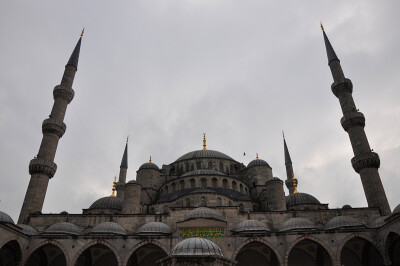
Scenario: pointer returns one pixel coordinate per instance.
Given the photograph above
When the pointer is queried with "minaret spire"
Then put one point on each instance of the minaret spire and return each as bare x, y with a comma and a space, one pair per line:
42, 168
365, 162
123, 170
291, 182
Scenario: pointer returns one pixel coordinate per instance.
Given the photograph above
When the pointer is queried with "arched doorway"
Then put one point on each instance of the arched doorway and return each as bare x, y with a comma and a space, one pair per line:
393, 248
360, 252
256, 254
147, 255
97, 255
10, 253
310, 253
47, 255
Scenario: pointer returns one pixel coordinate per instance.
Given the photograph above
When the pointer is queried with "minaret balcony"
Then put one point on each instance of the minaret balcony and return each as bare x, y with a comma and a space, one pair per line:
341, 87
353, 119
42, 166
63, 92
365, 160
53, 126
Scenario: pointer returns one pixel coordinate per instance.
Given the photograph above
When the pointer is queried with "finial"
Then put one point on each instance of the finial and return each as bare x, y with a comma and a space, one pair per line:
114, 187
150, 159
283, 134
294, 184
204, 142
257, 156
127, 138
322, 26
82, 32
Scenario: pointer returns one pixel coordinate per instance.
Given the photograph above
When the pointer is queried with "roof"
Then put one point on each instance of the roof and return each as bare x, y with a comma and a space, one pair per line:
149, 166
133, 182
196, 247
124, 161
397, 209
342, 222
203, 172
286, 150
379, 221
204, 154
300, 198
73, 60
154, 228
258, 162
107, 203
251, 226
27, 229
329, 50
203, 212
5, 218
297, 223
108, 228
63, 228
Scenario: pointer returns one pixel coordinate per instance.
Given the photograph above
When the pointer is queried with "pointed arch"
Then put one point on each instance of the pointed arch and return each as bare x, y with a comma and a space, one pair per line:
11, 251
261, 241
50, 242
94, 243
142, 244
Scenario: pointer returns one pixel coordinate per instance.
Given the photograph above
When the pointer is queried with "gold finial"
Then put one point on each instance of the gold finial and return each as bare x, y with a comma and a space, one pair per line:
283, 134
82, 32
114, 187
127, 138
150, 159
322, 26
204, 142
257, 156
294, 184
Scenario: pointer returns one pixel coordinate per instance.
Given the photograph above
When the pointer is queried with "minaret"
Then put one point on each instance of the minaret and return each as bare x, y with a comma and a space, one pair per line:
123, 169
290, 182
365, 162
42, 167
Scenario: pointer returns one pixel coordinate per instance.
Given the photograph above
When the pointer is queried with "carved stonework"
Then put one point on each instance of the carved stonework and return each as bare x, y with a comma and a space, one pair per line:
51, 125
366, 160
42, 166
353, 119
339, 88
63, 92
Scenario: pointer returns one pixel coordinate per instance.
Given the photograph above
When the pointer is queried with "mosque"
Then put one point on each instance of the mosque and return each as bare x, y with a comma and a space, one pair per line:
204, 208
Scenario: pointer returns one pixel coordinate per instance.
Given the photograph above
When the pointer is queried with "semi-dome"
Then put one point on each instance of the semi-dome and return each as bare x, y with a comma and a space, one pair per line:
154, 228
204, 154
5, 218
397, 209
203, 172
149, 166
27, 229
203, 212
258, 162
196, 247
63, 228
108, 228
342, 222
297, 223
107, 203
300, 198
379, 222
251, 226
346, 206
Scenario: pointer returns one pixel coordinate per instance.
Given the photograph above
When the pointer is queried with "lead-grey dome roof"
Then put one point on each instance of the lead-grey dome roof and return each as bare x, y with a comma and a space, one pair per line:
149, 166
203, 172
27, 229
297, 223
342, 222
251, 226
133, 182
397, 209
203, 212
300, 198
107, 203
108, 228
258, 162
154, 228
63, 228
379, 221
5, 218
196, 247
204, 154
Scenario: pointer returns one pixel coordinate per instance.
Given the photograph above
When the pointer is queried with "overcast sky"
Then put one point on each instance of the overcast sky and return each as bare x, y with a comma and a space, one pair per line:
164, 72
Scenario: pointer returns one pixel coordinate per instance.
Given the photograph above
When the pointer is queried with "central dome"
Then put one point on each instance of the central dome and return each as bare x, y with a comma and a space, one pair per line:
204, 154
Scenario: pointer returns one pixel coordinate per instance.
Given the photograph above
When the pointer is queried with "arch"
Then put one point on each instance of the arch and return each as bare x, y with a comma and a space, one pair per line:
349, 237
187, 167
219, 201
261, 241
221, 167
182, 185
40, 252
203, 182
90, 244
187, 202
234, 185
173, 187
203, 202
225, 183
392, 248
166, 189
214, 182
318, 252
210, 165
144, 243
241, 188
11, 252
192, 183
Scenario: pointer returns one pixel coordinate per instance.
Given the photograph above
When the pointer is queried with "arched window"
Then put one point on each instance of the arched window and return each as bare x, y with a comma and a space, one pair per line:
192, 183
182, 185
241, 207
215, 182
192, 167
209, 165
234, 186
198, 165
231, 168
225, 184
187, 167
173, 188
187, 202
227, 170
245, 189
221, 167
166, 189
219, 202
241, 188
203, 182
203, 202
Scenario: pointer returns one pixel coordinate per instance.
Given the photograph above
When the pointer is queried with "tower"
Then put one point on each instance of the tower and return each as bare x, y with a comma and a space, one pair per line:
122, 172
42, 168
365, 161
290, 182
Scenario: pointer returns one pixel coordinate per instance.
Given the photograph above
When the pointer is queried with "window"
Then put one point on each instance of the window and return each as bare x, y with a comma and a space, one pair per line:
165, 209
187, 167
192, 183
234, 186
241, 207
209, 165
187, 202
221, 167
215, 182
225, 183
182, 185
241, 188
203, 202
173, 187
198, 165
219, 202
203, 183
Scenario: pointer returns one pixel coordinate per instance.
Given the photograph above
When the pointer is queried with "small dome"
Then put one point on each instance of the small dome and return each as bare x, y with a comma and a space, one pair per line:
347, 206
133, 182
342, 222
196, 247
108, 228
63, 228
149, 166
258, 162
300, 198
297, 223
64, 213
203, 172
204, 154
107, 203
154, 228
397, 209
251, 226
203, 212
5, 218
379, 221
27, 229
